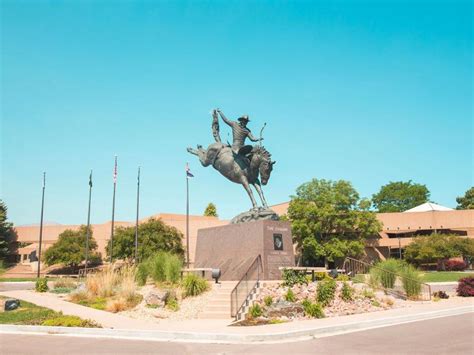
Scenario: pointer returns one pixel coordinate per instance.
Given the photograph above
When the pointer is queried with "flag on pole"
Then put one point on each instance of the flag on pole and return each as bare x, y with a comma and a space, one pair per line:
188, 171
90, 179
115, 170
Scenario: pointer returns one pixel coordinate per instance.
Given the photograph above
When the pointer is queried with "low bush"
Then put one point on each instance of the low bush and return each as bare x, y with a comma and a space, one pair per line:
385, 272
61, 290
173, 268
455, 265
440, 295
342, 277
77, 297
347, 292
127, 287
143, 271
70, 321
368, 293
98, 303
359, 278
375, 303
268, 300
172, 304
465, 287
290, 296
389, 301
313, 310
65, 283
194, 285
41, 285
255, 311
294, 277
102, 283
326, 291
116, 305
110, 283
162, 267
305, 302
411, 280
319, 276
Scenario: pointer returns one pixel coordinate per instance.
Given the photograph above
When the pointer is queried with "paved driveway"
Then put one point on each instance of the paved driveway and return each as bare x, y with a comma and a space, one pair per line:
448, 335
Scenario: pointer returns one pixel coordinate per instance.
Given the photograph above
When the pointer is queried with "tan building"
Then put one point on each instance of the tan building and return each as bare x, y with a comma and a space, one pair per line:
398, 229
101, 232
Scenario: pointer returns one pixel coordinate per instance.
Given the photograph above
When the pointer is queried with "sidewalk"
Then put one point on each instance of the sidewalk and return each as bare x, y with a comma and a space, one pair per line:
217, 331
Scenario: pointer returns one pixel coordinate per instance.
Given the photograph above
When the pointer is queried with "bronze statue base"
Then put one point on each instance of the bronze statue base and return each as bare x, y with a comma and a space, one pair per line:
258, 214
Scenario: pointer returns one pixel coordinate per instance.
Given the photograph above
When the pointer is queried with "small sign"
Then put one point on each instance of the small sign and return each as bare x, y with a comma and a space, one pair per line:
277, 242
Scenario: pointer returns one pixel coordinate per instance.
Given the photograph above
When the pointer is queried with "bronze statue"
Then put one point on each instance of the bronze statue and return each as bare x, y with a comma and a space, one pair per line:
240, 163
239, 133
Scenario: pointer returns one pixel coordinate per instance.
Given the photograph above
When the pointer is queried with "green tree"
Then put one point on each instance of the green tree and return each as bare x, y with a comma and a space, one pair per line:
153, 236
438, 247
400, 196
210, 210
6, 233
70, 248
466, 202
330, 221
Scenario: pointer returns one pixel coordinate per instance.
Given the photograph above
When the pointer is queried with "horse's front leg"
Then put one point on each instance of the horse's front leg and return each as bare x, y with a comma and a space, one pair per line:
246, 186
260, 193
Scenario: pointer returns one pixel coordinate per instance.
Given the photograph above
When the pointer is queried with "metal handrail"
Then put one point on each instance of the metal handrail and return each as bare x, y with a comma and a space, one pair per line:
365, 267
235, 306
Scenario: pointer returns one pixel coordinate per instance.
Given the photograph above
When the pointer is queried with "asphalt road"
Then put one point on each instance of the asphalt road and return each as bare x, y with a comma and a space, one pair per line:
448, 335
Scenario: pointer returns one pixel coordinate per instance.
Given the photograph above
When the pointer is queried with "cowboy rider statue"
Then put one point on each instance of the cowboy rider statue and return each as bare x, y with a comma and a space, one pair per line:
239, 133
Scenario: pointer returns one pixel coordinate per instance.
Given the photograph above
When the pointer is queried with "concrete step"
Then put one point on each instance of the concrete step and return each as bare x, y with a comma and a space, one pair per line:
214, 315
223, 287
217, 308
225, 298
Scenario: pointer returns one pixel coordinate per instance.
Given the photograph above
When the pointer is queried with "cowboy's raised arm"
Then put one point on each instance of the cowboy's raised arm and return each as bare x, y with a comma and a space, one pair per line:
229, 122
252, 138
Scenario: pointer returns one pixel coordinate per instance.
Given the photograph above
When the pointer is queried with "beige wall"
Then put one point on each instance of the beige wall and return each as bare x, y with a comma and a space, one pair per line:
460, 220
392, 223
101, 232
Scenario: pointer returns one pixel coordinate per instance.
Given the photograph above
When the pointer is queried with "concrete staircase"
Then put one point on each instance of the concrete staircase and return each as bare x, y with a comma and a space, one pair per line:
218, 306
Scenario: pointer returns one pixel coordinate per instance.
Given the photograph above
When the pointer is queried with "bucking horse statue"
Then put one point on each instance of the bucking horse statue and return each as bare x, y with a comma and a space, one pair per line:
242, 164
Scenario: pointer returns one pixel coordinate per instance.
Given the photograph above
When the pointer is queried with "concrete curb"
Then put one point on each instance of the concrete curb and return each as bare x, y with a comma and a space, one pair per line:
233, 337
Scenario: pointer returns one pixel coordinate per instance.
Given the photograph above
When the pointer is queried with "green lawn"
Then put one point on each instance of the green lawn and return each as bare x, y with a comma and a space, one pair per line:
444, 276
31, 314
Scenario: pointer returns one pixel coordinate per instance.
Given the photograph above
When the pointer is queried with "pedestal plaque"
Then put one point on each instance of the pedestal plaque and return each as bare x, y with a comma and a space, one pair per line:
233, 247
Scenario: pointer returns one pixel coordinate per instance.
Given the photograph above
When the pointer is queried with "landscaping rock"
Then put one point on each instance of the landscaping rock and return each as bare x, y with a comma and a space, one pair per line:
284, 309
11, 304
156, 297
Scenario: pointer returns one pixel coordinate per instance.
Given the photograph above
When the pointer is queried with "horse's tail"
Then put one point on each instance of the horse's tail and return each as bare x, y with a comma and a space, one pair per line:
215, 126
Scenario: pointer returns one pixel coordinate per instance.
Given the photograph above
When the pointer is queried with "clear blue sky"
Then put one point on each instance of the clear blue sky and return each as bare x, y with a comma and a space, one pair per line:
369, 92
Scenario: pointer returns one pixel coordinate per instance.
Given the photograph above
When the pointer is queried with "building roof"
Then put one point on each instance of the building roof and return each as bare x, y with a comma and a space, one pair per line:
429, 206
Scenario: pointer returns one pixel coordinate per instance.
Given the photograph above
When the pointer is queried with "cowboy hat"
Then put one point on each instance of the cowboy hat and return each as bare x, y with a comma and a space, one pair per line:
243, 118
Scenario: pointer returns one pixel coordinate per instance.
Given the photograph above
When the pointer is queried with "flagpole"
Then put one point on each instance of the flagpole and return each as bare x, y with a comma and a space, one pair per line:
136, 221
88, 223
113, 213
187, 219
41, 227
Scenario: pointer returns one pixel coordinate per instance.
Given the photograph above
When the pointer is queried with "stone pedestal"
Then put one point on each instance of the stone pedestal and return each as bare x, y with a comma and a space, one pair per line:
234, 247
